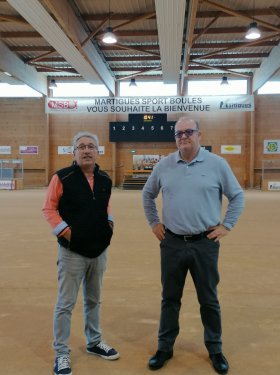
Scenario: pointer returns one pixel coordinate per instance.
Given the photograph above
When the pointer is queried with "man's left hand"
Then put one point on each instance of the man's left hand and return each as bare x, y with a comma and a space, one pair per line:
218, 232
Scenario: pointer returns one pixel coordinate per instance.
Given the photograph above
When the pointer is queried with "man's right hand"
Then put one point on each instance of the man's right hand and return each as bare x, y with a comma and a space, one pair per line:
159, 231
67, 235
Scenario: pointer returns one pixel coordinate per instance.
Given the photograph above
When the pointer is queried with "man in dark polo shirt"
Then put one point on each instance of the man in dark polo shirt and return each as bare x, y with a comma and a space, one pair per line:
77, 208
193, 182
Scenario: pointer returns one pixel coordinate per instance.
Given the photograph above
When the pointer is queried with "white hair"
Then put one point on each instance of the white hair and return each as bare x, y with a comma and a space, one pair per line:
85, 134
188, 118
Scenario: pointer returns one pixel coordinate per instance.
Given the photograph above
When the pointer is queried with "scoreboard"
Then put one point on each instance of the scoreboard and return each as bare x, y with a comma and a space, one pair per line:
143, 128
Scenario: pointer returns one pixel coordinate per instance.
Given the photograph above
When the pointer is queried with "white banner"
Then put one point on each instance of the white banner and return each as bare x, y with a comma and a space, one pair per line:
5, 149
271, 146
230, 149
101, 150
274, 185
175, 104
65, 150
7, 184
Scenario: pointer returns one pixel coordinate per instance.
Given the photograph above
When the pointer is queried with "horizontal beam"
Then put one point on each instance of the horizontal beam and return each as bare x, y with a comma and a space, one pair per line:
234, 56
116, 16
243, 44
130, 33
16, 19
249, 12
231, 56
205, 14
49, 60
238, 14
239, 66
19, 34
134, 69
31, 48
147, 47
139, 72
192, 67
47, 69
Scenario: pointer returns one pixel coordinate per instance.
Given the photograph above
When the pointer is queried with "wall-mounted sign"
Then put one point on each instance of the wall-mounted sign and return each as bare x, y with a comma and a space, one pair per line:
65, 150
5, 149
230, 149
271, 146
7, 184
145, 162
274, 185
152, 105
28, 150
101, 150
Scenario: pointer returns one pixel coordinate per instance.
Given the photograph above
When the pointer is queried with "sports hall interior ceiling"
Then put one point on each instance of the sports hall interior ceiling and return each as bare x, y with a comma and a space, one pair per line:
156, 39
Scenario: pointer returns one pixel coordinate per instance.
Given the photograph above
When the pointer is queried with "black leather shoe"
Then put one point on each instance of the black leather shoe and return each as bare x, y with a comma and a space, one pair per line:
219, 362
158, 360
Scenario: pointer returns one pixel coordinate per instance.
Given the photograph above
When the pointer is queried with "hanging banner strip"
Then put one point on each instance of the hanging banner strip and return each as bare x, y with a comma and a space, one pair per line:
240, 103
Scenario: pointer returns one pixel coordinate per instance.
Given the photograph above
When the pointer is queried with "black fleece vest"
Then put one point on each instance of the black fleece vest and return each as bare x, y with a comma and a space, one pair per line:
85, 211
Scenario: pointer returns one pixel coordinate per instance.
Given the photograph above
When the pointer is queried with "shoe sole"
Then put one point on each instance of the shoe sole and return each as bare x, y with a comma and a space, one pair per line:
59, 374
111, 358
158, 368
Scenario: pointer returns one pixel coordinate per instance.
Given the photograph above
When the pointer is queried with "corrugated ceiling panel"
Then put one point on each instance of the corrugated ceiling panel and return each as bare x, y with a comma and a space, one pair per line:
170, 23
43, 23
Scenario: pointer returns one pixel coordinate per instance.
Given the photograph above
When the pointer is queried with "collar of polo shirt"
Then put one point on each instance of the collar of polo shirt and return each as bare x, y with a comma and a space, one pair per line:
199, 157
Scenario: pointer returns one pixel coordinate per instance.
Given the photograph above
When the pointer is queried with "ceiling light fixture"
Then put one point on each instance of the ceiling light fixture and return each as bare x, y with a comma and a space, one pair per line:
133, 83
109, 36
253, 32
224, 81
52, 85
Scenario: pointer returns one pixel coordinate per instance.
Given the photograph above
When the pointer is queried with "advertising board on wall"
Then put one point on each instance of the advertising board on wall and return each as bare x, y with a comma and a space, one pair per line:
28, 150
271, 146
65, 150
230, 149
274, 185
174, 104
5, 150
7, 184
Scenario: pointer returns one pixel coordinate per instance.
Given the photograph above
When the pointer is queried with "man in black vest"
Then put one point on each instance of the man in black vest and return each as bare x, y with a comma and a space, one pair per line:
77, 207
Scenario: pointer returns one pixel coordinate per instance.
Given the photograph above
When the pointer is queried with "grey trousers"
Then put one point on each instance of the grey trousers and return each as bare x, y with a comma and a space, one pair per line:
72, 270
201, 259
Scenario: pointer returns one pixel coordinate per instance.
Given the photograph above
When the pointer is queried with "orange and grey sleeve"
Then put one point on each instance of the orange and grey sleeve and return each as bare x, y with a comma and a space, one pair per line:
50, 206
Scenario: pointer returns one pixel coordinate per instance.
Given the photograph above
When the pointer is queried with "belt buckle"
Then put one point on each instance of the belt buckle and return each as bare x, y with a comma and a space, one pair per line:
186, 238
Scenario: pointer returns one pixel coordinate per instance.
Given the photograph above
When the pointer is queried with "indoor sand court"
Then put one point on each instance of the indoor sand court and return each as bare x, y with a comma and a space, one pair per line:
248, 293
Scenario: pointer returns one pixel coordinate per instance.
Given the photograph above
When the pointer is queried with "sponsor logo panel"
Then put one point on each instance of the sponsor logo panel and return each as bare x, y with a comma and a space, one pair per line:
274, 185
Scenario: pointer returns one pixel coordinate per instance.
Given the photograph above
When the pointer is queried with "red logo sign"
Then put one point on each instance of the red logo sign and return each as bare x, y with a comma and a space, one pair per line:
62, 104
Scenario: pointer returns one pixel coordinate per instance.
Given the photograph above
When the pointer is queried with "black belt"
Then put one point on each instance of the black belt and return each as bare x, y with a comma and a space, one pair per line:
193, 237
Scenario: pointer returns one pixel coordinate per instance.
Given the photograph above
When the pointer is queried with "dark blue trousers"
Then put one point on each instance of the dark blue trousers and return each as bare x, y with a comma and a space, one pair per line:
201, 259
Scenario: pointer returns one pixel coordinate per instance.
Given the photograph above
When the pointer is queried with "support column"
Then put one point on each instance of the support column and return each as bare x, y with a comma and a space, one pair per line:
114, 144
252, 138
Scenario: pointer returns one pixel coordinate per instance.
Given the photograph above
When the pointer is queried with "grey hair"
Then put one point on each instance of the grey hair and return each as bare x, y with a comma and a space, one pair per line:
187, 118
85, 134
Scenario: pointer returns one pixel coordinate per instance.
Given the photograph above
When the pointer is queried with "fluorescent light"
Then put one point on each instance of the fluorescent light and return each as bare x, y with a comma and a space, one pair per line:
52, 85
7, 74
133, 83
253, 32
224, 81
109, 37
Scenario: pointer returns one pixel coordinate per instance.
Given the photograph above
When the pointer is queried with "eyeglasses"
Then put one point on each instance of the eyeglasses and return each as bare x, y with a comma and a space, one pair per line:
90, 147
188, 133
